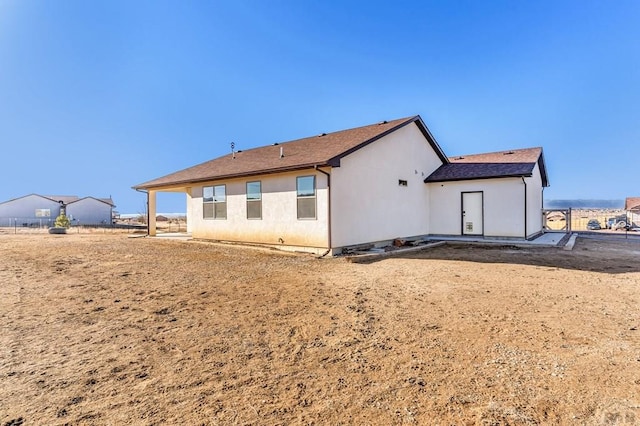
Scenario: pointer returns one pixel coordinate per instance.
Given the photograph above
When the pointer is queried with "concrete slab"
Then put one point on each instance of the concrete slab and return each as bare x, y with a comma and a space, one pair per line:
571, 242
550, 239
174, 235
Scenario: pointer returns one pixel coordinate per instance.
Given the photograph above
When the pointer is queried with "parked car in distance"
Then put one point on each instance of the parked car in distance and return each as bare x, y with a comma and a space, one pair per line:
593, 225
621, 225
618, 223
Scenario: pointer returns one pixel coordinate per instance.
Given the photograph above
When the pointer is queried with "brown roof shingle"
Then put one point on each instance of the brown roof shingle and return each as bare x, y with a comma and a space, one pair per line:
513, 163
632, 203
320, 150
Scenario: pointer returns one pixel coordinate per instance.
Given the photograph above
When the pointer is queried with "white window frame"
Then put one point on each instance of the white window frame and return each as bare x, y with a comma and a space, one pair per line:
305, 197
254, 201
215, 199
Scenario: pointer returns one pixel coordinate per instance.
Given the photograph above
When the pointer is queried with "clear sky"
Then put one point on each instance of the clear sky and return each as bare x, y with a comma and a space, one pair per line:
98, 96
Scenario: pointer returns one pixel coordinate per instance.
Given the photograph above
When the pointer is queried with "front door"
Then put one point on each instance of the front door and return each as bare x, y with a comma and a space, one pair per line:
472, 220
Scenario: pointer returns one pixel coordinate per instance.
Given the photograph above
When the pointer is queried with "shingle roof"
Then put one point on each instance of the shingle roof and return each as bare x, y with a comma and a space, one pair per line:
320, 150
513, 163
632, 203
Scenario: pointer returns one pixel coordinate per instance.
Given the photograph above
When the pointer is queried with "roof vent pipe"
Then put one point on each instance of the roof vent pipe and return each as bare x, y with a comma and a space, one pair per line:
281, 151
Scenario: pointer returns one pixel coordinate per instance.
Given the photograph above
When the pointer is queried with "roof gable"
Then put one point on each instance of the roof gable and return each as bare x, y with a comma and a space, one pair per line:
54, 198
65, 199
326, 149
107, 201
512, 163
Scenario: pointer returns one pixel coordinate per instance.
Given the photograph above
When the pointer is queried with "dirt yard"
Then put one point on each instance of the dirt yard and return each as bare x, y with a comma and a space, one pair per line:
106, 329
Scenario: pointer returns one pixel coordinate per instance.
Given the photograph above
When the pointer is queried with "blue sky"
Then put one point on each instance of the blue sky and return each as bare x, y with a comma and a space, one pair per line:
97, 96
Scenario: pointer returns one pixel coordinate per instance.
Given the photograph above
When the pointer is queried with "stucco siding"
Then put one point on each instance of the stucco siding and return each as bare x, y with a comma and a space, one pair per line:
503, 206
189, 209
369, 204
279, 224
24, 210
534, 202
89, 211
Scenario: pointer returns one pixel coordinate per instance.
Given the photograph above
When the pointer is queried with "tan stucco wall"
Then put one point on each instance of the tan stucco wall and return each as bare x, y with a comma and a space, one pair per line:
279, 224
503, 206
189, 209
367, 202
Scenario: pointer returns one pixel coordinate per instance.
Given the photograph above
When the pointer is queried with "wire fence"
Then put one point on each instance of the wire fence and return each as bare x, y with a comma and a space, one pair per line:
34, 225
591, 220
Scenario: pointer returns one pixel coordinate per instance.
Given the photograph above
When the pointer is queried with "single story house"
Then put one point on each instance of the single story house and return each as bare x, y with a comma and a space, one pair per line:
632, 206
369, 184
42, 210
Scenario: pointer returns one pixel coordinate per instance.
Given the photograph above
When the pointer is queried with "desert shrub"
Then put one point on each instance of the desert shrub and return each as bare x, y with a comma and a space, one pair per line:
62, 221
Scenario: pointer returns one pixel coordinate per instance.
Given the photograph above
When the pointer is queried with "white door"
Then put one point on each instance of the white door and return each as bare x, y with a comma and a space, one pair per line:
472, 213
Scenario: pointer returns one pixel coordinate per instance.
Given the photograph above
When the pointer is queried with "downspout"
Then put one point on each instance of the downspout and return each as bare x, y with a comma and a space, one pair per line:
146, 192
525, 207
328, 175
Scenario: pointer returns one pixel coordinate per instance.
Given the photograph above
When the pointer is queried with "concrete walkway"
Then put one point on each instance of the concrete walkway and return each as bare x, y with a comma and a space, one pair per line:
549, 239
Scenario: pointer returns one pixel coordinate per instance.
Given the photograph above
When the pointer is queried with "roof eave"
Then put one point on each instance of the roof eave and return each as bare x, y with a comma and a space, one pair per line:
184, 182
517, 175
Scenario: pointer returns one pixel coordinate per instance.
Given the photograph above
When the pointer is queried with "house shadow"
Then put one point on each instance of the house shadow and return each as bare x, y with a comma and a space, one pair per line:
611, 256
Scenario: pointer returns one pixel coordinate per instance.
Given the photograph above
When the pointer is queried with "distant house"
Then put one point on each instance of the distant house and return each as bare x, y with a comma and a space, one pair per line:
42, 210
632, 206
365, 185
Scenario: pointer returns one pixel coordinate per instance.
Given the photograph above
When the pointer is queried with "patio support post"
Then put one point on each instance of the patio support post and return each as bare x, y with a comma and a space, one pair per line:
151, 212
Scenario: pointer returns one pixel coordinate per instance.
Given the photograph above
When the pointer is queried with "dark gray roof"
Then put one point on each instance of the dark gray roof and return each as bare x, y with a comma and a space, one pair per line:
514, 163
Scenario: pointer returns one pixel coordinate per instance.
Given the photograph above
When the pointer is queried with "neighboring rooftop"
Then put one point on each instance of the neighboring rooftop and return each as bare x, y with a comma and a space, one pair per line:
632, 204
65, 199
325, 149
512, 163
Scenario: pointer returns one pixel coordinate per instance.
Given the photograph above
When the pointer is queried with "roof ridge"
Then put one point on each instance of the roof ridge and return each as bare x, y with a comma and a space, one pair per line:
291, 155
497, 152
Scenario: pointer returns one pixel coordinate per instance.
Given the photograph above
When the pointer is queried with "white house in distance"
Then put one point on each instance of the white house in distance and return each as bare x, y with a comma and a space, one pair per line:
42, 210
370, 184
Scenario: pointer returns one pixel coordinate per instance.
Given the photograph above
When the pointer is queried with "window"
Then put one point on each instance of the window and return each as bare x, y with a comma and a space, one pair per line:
254, 200
214, 202
43, 212
306, 192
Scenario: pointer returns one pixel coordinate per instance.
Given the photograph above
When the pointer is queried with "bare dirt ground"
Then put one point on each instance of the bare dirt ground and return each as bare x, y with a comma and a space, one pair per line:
105, 329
